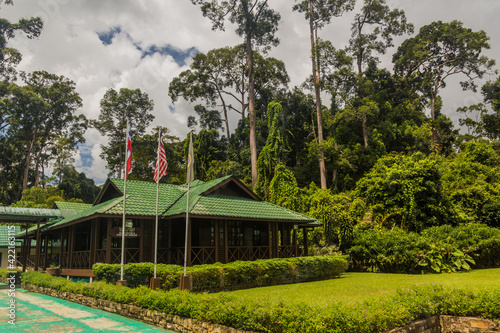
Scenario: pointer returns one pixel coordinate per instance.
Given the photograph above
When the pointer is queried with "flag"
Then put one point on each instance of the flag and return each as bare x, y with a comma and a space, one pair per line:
190, 166
161, 161
129, 151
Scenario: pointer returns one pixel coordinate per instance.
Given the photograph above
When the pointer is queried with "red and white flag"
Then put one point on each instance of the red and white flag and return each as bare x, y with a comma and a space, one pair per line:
129, 151
161, 161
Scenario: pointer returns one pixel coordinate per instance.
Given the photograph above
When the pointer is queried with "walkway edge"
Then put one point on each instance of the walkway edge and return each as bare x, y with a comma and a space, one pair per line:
156, 318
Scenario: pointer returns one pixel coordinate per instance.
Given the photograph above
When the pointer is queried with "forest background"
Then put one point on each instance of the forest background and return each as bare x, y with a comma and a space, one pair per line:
357, 145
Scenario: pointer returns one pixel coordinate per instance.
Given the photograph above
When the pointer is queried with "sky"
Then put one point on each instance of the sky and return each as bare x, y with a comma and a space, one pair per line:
103, 44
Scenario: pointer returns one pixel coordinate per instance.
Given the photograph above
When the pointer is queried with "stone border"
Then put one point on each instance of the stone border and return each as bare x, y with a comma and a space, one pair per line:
450, 324
152, 317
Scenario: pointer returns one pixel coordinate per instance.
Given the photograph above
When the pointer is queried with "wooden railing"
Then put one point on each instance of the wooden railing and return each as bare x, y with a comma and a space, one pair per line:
131, 255
287, 251
248, 252
64, 260
203, 255
100, 255
177, 256
80, 259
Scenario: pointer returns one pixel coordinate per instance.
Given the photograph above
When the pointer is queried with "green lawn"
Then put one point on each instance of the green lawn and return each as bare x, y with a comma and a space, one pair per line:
358, 287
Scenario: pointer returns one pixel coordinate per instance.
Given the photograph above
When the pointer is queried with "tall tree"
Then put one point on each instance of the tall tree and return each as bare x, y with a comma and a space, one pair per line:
42, 110
274, 151
75, 184
257, 24
491, 121
219, 78
116, 108
439, 51
382, 24
10, 57
145, 157
319, 13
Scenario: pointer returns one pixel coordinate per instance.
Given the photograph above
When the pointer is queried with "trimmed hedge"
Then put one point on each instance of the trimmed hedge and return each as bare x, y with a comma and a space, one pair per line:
7, 273
235, 275
407, 305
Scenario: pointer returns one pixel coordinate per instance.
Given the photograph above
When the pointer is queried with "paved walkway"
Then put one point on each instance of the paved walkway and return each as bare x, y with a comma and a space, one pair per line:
42, 313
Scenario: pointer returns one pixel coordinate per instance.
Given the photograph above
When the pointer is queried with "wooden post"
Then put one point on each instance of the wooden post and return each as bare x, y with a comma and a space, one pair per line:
108, 241
295, 242
169, 245
226, 243
216, 240
93, 242
269, 240
276, 241
37, 253
45, 248
306, 243
71, 244
25, 249
141, 242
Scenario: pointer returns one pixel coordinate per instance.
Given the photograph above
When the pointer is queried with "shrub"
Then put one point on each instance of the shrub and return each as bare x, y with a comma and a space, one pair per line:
234, 275
437, 249
407, 305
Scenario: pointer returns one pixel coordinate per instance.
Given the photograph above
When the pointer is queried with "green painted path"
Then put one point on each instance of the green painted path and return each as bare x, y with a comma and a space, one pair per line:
42, 313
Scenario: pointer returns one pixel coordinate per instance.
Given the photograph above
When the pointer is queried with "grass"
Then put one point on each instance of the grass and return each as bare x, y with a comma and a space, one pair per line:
358, 287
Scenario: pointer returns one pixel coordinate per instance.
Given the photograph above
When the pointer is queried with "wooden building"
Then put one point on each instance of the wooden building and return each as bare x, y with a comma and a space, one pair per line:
228, 222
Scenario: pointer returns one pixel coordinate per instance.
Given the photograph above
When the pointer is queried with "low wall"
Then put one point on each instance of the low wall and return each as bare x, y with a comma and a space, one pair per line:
450, 324
167, 321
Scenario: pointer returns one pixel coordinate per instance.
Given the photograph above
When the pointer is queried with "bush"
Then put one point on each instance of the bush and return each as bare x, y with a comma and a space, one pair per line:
7, 273
436, 249
386, 313
234, 275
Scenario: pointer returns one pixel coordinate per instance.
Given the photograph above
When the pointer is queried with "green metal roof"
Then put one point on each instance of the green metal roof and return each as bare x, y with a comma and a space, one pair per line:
23, 214
226, 206
4, 234
70, 208
101, 208
141, 201
195, 190
32, 230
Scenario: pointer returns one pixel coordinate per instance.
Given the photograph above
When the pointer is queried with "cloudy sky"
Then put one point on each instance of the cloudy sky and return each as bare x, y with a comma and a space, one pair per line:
102, 44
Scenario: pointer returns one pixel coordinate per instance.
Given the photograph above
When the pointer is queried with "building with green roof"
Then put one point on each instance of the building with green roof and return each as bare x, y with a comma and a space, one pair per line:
8, 245
227, 222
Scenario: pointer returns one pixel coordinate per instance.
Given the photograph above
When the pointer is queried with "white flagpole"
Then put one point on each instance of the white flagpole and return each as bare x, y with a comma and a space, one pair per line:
189, 178
124, 201
157, 194
187, 229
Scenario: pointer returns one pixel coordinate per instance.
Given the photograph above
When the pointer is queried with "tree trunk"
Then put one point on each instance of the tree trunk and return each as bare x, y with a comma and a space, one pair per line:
435, 139
226, 120
26, 169
251, 110
317, 88
365, 130
27, 160
37, 169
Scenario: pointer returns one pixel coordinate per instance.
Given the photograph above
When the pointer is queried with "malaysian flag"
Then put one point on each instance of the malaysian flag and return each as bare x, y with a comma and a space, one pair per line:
161, 161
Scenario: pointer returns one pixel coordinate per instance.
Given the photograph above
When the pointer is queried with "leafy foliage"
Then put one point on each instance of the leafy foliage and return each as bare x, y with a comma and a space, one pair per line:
407, 191
235, 275
437, 249
116, 108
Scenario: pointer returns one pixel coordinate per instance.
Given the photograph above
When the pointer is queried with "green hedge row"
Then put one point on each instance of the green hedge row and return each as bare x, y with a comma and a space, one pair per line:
235, 275
436, 249
407, 305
